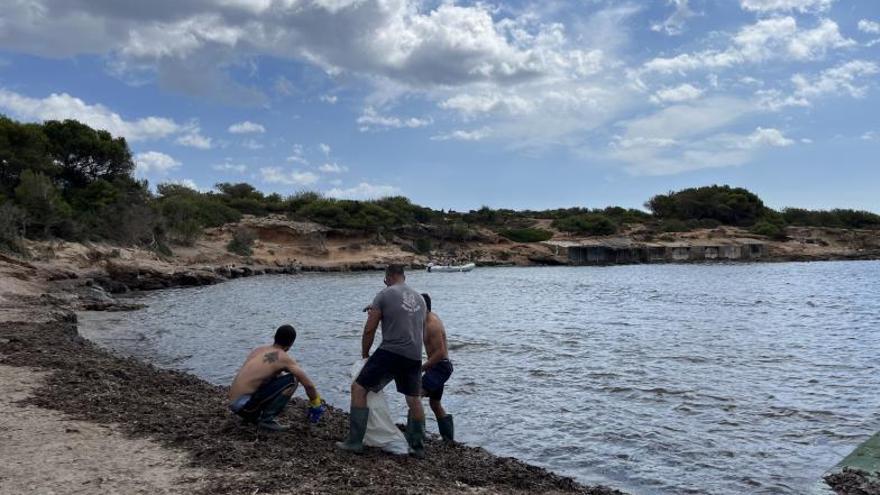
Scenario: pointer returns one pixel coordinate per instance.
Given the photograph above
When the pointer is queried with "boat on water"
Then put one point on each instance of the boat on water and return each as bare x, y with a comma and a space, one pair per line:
432, 268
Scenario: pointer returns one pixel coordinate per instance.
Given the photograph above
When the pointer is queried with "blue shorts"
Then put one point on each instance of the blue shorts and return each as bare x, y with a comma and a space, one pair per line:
434, 380
249, 406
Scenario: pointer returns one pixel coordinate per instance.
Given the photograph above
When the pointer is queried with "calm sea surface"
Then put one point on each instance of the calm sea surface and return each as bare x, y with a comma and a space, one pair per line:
745, 378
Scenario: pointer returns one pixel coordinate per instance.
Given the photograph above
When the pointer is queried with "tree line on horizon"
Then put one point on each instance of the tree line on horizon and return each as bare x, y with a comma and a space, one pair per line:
66, 180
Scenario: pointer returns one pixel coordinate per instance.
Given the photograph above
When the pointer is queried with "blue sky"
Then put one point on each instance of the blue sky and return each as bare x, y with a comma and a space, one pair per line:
460, 104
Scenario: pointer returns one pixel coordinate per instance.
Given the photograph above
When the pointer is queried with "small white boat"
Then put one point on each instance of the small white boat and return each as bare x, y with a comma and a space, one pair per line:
432, 268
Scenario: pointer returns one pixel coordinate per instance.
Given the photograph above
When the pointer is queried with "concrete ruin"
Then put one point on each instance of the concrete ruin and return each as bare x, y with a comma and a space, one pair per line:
613, 251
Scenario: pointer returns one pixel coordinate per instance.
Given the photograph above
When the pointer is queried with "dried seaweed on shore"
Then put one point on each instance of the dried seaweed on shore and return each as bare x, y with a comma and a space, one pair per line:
184, 412
854, 482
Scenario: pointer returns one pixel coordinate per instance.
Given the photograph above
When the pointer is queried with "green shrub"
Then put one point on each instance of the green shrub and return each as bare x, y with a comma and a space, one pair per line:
46, 210
589, 224
356, 215
838, 218
423, 245
458, 232
527, 235
11, 222
730, 206
299, 200
187, 212
242, 242
768, 229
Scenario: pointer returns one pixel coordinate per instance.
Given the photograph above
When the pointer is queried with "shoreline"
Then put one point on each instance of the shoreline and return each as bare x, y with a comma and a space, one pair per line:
183, 413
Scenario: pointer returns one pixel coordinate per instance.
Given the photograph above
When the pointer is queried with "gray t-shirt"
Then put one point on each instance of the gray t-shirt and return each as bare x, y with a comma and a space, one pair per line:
403, 320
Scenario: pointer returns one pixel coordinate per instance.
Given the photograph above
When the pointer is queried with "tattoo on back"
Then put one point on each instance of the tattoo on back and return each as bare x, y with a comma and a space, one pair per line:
270, 357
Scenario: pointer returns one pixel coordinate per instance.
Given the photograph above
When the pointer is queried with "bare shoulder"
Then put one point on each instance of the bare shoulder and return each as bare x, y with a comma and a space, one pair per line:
272, 355
256, 352
435, 321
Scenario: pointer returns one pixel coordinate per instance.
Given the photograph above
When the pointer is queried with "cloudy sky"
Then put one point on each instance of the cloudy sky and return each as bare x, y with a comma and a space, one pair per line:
457, 104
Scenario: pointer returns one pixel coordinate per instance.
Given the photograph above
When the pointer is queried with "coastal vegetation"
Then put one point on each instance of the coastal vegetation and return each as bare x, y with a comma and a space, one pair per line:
527, 235
69, 181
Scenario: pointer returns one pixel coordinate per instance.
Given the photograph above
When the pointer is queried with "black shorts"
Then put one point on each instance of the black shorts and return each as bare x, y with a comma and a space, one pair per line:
434, 380
384, 366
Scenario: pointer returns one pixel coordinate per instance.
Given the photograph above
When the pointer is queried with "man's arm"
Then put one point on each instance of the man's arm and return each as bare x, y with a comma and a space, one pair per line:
303, 378
375, 316
434, 340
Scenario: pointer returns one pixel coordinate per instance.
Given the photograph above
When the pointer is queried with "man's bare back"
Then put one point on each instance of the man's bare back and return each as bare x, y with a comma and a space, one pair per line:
262, 364
435, 340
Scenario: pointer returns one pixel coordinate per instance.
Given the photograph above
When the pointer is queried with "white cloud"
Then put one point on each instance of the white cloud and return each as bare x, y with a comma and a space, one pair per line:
868, 26
678, 94
777, 38
333, 168
154, 162
766, 137
297, 156
246, 127
193, 46
472, 104
686, 120
325, 148
230, 167
768, 6
663, 156
363, 191
674, 24
691, 136
275, 175
843, 79
554, 80
64, 106
331, 99
371, 119
252, 144
463, 135
194, 139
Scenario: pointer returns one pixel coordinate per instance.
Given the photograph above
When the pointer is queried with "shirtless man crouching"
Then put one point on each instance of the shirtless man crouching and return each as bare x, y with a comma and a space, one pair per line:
267, 380
438, 369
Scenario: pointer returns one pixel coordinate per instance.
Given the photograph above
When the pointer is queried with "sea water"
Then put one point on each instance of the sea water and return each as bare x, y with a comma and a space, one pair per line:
709, 378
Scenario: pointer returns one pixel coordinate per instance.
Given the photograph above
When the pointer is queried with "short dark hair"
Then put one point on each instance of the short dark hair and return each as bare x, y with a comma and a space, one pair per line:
427, 299
394, 269
285, 335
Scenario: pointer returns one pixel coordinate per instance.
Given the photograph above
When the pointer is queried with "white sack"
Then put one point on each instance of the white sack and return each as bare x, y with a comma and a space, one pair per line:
381, 430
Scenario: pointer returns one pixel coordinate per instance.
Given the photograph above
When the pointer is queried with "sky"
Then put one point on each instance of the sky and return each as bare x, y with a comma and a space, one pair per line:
456, 104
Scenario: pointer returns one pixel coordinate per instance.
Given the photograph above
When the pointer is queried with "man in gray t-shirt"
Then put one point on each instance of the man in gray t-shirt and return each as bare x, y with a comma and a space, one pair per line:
402, 312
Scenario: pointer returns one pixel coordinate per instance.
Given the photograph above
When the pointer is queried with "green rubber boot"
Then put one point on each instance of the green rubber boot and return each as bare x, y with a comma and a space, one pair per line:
415, 437
447, 428
357, 428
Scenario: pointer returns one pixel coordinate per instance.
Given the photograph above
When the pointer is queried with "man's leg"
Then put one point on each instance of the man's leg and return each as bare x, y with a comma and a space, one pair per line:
357, 420
415, 426
409, 383
273, 408
358, 395
272, 398
434, 382
437, 407
444, 421
372, 376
